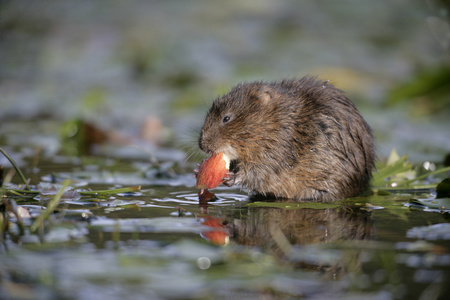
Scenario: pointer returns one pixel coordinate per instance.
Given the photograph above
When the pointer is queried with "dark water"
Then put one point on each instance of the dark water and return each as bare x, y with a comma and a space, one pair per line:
162, 243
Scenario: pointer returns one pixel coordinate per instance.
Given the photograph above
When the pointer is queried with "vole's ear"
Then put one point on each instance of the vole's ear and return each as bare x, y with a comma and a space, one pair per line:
264, 94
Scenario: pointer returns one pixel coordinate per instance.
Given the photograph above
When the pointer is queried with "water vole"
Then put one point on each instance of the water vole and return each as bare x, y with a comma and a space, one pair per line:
299, 139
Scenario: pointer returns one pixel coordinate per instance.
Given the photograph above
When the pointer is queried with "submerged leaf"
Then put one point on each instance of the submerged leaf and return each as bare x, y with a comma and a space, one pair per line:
51, 206
49, 190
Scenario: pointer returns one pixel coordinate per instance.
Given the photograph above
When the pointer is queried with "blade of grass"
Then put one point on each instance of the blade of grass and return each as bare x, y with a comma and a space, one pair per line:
401, 184
406, 182
395, 168
21, 193
83, 193
15, 167
52, 204
110, 192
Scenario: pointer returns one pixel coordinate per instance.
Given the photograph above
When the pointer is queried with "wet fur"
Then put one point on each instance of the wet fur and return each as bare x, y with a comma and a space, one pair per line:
300, 139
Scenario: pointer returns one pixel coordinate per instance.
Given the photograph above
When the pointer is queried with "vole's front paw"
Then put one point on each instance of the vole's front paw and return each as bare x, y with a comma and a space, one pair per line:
196, 171
231, 179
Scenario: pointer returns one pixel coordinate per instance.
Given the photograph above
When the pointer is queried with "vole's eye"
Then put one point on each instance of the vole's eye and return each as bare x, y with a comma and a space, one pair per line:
226, 119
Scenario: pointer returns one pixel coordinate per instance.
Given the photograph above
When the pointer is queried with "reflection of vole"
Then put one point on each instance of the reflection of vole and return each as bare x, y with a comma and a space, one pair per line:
302, 226
283, 231
300, 139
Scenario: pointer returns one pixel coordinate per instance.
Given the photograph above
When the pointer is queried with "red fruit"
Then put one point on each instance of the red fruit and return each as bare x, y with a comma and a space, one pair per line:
212, 171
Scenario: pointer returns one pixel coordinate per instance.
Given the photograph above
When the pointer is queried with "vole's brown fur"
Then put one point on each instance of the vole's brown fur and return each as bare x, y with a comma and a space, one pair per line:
300, 139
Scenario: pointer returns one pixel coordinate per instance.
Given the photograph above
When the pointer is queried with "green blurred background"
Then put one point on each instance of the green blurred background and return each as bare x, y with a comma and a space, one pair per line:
128, 65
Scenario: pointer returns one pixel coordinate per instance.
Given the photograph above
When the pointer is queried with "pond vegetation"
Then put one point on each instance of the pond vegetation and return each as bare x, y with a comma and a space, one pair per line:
74, 231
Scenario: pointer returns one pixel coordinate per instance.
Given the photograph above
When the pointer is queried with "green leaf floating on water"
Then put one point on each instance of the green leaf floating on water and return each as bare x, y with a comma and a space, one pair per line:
293, 205
442, 200
433, 203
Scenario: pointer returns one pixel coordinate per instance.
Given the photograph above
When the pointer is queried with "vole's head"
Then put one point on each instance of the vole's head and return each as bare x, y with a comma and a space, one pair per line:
240, 120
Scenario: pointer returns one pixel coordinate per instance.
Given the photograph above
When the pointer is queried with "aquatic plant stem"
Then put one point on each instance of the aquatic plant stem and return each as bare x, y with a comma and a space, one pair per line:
13, 209
15, 167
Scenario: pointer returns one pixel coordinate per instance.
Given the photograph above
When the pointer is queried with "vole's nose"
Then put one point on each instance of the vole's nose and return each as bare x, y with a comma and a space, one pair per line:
201, 143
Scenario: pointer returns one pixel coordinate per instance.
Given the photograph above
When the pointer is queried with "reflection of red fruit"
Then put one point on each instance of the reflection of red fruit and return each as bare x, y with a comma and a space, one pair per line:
212, 171
216, 237
213, 222
218, 234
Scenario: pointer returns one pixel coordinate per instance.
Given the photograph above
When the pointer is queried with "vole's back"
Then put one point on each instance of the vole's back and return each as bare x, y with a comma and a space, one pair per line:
300, 139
